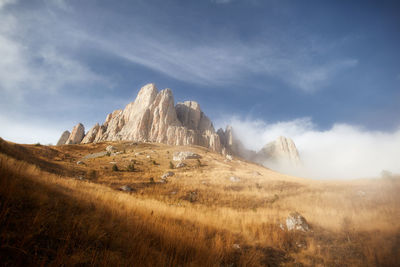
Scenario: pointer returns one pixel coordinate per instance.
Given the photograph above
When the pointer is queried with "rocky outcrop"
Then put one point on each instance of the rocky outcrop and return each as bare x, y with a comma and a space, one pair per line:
64, 138
91, 135
233, 146
282, 150
153, 117
77, 134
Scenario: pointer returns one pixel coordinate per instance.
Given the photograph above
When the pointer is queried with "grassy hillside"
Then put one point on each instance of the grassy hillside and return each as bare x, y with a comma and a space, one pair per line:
55, 211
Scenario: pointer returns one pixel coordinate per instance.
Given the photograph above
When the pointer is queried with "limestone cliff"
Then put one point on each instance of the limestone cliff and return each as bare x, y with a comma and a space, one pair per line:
153, 117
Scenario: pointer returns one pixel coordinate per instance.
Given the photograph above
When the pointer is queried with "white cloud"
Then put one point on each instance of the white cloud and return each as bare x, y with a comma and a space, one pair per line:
3, 3
27, 131
33, 61
343, 151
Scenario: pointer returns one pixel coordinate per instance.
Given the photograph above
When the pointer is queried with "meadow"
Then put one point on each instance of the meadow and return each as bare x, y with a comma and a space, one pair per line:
54, 211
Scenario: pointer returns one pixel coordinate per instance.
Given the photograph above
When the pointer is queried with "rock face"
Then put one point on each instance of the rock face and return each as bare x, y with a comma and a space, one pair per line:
64, 138
77, 134
153, 117
282, 150
233, 146
91, 135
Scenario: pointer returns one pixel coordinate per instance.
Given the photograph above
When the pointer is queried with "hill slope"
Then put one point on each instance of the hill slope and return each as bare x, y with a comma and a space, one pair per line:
211, 212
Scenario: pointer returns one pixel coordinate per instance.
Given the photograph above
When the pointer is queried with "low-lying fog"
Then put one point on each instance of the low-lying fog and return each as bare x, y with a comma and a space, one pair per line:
344, 151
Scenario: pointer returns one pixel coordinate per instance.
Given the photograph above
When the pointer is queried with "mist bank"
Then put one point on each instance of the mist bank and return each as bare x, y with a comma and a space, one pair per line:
342, 152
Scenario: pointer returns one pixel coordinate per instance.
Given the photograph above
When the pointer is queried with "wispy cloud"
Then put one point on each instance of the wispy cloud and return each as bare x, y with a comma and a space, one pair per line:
3, 3
343, 151
31, 64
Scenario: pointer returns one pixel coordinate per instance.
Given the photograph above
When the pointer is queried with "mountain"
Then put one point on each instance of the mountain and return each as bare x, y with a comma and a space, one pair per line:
154, 117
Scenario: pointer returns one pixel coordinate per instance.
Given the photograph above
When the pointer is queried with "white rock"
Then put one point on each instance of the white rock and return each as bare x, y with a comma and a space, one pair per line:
111, 149
281, 150
126, 188
153, 117
295, 221
229, 157
77, 134
167, 174
91, 135
183, 155
234, 179
180, 165
64, 138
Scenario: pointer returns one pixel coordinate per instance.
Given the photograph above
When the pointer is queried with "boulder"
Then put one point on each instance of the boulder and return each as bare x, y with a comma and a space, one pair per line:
180, 165
64, 138
126, 188
234, 179
295, 221
183, 155
167, 174
111, 149
77, 134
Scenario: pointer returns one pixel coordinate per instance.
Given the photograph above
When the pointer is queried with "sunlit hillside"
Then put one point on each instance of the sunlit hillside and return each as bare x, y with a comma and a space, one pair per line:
81, 205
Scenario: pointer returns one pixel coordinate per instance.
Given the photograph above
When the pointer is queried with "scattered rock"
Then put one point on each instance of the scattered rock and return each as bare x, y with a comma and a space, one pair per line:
295, 221
361, 193
180, 165
229, 157
95, 155
255, 173
113, 162
148, 156
167, 174
163, 180
138, 153
80, 163
111, 149
183, 155
81, 178
236, 246
126, 188
234, 179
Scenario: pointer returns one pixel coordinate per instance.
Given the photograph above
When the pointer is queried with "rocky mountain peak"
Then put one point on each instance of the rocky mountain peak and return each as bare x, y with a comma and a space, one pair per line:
282, 149
77, 134
154, 117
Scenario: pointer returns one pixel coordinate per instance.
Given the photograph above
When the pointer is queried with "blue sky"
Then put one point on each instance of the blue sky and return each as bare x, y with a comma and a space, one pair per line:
323, 62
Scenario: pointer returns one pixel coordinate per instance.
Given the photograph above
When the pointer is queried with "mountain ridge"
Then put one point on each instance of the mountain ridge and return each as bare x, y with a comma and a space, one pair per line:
154, 117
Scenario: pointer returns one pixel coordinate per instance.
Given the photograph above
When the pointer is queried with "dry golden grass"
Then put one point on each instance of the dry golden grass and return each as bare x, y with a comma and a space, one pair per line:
355, 223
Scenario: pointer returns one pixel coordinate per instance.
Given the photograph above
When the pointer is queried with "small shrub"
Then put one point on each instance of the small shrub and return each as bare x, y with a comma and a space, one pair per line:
171, 165
37, 144
130, 168
198, 163
154, 162
115, 168
151, 180
108, 153
92, 175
